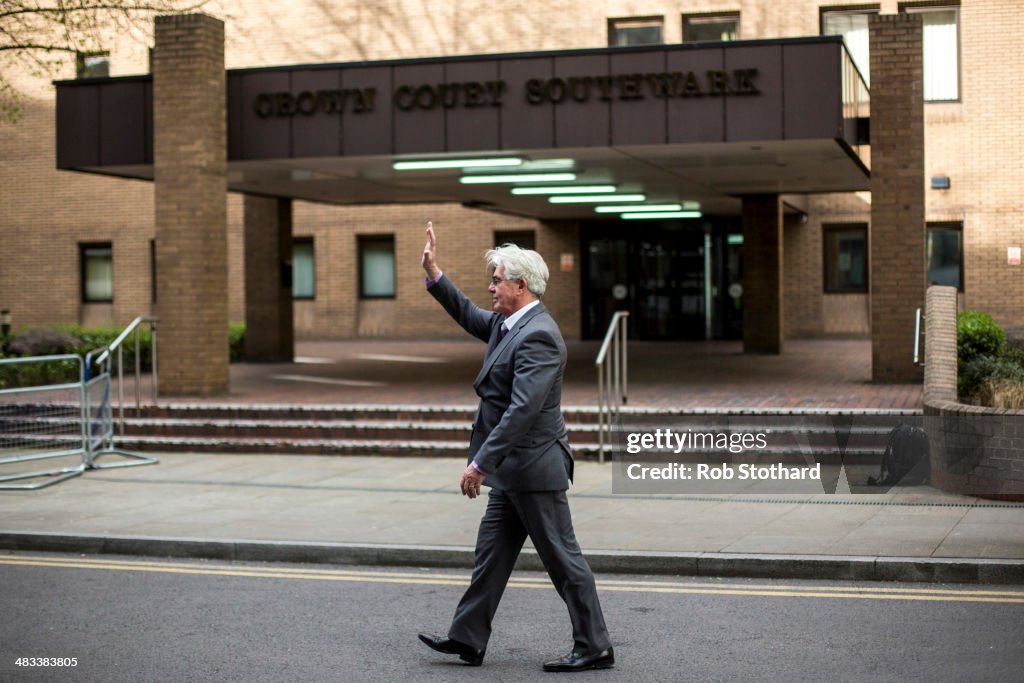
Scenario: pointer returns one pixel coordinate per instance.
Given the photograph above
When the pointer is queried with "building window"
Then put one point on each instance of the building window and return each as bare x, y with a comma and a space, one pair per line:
716, 27
846, 262
944, 261
303, 268
941, 41
524, 239
92, 64
376, 266
97, 273
852, 25
635, 31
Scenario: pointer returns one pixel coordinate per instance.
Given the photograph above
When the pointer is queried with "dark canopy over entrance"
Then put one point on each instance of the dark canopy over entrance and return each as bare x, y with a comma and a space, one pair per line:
700, 123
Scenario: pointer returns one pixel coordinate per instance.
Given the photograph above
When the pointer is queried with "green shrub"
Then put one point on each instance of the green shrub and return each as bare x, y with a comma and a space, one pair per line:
977, 334
95, 338
985, 379
81, 340
236, 342
42, 342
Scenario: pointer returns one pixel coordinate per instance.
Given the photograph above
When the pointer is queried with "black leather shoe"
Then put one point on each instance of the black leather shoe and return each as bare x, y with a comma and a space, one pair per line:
577, 661
466, 653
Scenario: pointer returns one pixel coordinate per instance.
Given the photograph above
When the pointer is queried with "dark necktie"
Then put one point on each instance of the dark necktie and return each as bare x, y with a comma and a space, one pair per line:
503, 332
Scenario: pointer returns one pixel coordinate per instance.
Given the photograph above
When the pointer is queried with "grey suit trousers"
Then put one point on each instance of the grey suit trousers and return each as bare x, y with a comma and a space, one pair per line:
544, 516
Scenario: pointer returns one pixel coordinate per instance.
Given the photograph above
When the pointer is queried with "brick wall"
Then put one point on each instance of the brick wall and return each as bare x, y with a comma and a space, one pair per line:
762, 274
974, 450
268, 298
190, 166
896, 236
975, 141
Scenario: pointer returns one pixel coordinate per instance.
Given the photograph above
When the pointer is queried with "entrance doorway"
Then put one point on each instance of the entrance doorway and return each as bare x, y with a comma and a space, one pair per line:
678, 281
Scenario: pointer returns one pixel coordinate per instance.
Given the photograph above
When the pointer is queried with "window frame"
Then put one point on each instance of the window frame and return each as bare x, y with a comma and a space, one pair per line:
83, 271
617, 22
303, 240
951, 226
939, 6
832, 228
80, 58
708, 18
376, 238
839, 10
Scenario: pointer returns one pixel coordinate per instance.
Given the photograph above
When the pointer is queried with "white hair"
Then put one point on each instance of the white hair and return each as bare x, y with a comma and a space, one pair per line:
520, 263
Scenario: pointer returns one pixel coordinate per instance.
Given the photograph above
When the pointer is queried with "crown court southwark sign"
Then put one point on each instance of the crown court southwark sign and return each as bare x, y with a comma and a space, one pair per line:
534, 91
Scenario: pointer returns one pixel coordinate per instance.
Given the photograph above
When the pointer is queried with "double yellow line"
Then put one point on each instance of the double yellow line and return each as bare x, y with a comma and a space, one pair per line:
434, 578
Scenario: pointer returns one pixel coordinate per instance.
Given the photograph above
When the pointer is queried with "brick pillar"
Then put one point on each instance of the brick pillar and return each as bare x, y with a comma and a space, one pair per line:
190, 164
762, 274
269, 325
897, 194
940, 357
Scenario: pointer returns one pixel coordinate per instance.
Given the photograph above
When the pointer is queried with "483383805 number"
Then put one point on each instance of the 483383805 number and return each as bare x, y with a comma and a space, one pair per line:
47, 661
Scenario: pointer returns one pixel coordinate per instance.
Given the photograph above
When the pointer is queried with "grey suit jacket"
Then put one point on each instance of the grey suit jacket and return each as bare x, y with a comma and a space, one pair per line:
519, 436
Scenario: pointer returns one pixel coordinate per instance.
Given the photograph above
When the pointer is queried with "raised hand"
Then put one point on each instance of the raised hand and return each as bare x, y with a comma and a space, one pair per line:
429, 261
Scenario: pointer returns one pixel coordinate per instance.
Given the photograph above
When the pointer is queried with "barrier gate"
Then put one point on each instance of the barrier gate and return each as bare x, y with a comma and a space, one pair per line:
61, 415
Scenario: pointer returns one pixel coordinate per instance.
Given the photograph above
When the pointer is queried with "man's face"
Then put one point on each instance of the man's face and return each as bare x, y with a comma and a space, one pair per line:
505, 294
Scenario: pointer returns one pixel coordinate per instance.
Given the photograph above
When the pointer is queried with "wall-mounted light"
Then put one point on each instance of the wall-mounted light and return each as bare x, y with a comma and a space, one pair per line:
433, 164
641, 207
567, 189
659, 214
940, 182
587, 199
518, 178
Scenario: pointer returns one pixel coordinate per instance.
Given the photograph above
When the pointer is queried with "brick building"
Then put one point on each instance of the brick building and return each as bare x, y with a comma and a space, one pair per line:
84, 247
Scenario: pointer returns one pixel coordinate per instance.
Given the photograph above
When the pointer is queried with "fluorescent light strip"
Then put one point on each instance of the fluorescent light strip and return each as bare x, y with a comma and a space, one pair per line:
549, 165
642, 207
429, 164
665, 214
598, 198
568, 189
518, 178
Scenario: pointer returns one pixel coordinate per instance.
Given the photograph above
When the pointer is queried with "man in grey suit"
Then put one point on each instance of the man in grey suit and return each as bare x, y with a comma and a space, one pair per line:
520, 448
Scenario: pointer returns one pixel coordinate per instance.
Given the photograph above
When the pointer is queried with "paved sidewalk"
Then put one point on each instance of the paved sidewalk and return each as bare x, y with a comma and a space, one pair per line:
409, 511
811, 373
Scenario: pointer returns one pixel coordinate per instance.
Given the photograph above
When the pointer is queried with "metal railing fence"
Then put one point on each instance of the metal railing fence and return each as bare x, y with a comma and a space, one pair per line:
612, 385
62, 407
103, 358
44, 420
918, 320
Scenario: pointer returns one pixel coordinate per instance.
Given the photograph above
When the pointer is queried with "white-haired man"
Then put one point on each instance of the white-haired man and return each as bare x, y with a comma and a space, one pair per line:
520, 448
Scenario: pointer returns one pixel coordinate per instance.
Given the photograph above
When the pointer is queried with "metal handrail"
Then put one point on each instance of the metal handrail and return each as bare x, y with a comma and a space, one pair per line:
917, 337
117, 345
612, 385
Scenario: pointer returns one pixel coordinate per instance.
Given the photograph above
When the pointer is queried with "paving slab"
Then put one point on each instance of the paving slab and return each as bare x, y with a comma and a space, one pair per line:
385, 508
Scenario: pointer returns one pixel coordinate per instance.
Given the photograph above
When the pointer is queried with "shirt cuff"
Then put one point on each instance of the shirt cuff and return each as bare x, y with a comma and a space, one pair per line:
478, 468
431, 281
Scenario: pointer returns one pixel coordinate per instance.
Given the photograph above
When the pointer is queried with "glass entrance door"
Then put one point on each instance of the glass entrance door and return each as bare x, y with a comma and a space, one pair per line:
655, 272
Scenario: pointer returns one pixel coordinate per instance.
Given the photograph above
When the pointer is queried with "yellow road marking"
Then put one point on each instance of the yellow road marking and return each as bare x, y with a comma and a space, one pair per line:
101, 563
847, 592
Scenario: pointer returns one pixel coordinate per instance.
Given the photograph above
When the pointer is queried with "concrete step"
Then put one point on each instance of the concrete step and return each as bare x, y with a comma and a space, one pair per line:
389, 447
432, 430
354, 412
393, 430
